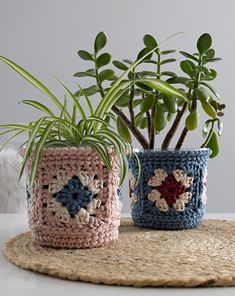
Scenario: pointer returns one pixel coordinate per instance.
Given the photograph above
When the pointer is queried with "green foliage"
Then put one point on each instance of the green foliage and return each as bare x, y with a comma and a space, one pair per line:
148, 93
64, 129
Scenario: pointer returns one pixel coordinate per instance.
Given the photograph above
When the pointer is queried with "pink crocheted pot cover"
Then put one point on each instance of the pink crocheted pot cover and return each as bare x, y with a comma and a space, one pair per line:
74, 202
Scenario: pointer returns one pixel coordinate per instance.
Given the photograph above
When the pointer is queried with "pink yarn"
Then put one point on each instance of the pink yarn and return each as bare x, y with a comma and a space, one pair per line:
102, 228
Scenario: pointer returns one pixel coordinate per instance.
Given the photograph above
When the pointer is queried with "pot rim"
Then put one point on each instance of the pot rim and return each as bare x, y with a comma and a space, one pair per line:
171, 150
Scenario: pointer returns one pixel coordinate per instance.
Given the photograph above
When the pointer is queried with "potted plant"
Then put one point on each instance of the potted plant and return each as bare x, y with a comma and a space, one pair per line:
170, 193
75, 163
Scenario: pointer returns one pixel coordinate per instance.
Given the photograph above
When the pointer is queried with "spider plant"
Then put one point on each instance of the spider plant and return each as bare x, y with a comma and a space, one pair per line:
75, 127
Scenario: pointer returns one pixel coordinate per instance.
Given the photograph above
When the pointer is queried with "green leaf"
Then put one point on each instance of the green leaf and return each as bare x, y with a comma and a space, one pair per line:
167, 61
85, 55
211, 76
204, 43
30, 143
89, 91
83, 74
170, 116
163, 87
130, 62
10, 139
211, 88
159, 119
212, 60
208, 109
103, 60
187, 67
143, 53
123, 101
35, 82
165, 52
213, 145
123, 131
168, 73
86, 98
192, 121
147, 103
38, 106
202, 94
210, 53
170, 103
180, 80
120, 65
79, 107
106, 74
100, 41
189, 56
150, 42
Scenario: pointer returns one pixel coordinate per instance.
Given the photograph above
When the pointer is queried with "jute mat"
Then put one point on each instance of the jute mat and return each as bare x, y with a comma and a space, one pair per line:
204, 256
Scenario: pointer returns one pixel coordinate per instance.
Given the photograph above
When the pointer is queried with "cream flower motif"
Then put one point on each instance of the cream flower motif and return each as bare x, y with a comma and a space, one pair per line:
132, 182
60, 211
59, 182
93, 205
82, 217
182, 177
203, 195
88, 180
170, 190
183, 199
155, 196
160, 176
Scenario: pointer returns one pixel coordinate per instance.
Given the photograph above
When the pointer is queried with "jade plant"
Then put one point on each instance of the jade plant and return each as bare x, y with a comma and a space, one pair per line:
72, 126
144, 110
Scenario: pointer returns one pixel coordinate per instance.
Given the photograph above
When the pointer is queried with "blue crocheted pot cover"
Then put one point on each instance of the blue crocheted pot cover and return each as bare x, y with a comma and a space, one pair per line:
170, 193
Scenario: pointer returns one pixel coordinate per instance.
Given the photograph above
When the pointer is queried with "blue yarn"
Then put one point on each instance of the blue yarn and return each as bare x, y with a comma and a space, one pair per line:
74, 196
120, 193
144, 212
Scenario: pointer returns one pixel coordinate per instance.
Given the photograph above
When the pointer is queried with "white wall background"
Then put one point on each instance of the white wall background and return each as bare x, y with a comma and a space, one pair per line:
44, 36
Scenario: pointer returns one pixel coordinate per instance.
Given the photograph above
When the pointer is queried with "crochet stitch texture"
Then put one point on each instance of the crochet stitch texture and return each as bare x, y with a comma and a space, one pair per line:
171, 190
74, 202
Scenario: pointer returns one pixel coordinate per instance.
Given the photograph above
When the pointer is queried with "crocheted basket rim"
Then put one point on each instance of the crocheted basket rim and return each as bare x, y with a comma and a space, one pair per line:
73, 149
171, 150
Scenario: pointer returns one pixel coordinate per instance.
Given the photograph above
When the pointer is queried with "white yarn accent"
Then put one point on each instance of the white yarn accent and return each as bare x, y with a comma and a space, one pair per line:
82, 216
155, 196
93, 205
160, 176
182, 177
60, 212
87, 179
133, 199
59, 182
203, 195
132, 182
183, 199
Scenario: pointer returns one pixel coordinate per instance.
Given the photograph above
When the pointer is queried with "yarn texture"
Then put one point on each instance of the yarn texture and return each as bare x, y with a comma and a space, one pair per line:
171, 192
74, 202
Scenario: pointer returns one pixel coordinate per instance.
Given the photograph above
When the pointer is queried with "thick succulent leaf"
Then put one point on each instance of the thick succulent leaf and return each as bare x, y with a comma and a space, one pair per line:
123, 131
213, 145
204, 43
192, 120
85, 55
100, 41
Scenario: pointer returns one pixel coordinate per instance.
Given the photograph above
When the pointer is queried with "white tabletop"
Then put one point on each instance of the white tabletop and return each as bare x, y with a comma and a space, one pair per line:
17, 281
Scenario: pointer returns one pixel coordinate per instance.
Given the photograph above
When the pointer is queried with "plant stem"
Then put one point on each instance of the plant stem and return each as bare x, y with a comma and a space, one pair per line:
130, 105
174, 127
140, 138
182, 138
148, 122
194, 108
153, 110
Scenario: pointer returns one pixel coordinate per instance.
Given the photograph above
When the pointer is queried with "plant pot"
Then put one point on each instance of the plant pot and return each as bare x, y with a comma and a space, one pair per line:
171, 192
74, 201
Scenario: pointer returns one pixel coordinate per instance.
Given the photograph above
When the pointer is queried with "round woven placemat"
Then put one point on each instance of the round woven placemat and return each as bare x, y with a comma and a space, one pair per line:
204, 256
